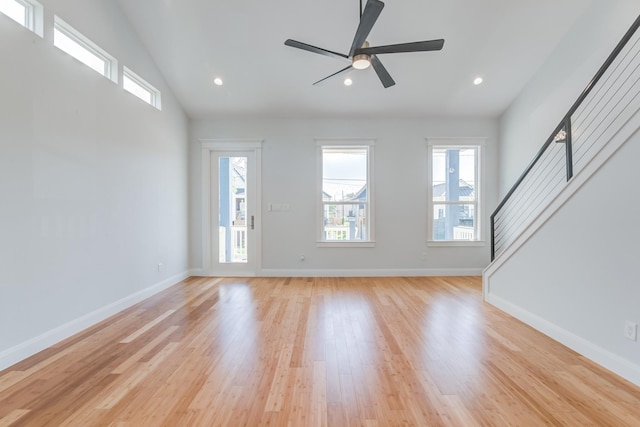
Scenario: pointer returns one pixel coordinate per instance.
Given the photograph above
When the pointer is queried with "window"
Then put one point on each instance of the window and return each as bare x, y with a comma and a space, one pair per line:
345, 193
27, 13
84, 50
137, 86
454, 191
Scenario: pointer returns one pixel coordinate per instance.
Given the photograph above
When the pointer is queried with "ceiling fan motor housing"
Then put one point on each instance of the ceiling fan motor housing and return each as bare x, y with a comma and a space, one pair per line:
362, 61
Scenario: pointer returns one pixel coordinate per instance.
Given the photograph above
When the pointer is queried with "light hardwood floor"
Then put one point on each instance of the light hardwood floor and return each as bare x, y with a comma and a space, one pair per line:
314, 352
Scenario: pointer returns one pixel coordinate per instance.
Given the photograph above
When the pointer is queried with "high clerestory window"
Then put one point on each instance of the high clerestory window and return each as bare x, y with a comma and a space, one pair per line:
139, 87
27, 13
69, 40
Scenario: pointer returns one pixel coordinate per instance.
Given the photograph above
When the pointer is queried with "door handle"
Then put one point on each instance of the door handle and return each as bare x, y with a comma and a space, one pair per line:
252, 222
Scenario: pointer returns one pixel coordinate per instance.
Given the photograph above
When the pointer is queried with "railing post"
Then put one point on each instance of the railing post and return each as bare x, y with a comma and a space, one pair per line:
493, 237
568, 147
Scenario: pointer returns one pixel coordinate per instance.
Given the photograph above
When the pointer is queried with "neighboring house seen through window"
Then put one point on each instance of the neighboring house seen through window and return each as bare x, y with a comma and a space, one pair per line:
454, 190
346, 203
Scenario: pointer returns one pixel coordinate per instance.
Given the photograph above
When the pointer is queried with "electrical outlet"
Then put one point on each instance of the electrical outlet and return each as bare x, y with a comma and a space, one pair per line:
631, 330
160, 267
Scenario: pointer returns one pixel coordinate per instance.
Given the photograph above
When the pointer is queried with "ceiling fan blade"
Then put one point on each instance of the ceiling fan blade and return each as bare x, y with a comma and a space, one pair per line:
369, 17
424, 46
382, 72
314, 49
336, 74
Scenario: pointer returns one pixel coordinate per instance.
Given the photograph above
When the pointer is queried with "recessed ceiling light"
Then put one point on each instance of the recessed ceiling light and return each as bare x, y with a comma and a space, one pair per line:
478, 81
348, 82
217, 81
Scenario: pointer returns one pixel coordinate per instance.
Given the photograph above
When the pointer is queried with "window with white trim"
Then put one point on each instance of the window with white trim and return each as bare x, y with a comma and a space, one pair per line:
345, 193
136, 85
28, 13
69, 40
454, 189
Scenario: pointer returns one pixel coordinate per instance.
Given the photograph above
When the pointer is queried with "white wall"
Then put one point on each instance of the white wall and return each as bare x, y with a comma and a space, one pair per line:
534, 114
289, 176
93, 182
576, 277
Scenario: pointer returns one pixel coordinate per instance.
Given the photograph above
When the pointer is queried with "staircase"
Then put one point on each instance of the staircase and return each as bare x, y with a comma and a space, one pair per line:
603, 108
565, 240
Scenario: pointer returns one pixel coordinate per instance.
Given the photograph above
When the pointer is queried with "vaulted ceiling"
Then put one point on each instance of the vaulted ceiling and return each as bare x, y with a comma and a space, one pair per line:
242, 42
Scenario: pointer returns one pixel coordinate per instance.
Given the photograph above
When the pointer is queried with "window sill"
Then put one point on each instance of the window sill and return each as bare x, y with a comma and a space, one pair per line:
459, 243
346, 244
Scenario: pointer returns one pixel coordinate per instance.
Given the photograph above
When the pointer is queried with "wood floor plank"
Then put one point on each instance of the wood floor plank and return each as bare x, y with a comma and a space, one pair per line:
12, 417
415, 351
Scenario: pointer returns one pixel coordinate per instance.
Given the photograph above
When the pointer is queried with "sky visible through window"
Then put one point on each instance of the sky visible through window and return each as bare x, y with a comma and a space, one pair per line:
13, 10
82, 54
343, 173
467, 165
132, 87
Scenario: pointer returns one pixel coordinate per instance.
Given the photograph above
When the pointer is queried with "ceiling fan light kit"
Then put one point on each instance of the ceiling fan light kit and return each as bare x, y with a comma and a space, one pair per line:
361, 61
361, 54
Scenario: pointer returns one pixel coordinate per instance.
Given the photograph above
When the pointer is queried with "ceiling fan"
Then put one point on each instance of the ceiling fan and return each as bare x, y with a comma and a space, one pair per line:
361, 55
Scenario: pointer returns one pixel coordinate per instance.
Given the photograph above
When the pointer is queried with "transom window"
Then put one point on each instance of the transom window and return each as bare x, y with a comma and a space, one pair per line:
67, 39
139, 87
454, 191
27, 13
346, 192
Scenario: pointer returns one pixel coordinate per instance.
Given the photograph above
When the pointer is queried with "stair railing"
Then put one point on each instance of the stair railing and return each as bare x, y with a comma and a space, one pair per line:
607, 102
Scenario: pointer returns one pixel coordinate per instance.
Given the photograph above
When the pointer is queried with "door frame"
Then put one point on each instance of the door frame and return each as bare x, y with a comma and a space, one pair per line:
208, 147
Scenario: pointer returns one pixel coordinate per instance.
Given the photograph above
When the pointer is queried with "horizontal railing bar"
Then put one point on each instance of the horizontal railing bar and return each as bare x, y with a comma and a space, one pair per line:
554, 178
529, 167
611, 96
613, 78
612, 57
550, 162
513, 221
583, 148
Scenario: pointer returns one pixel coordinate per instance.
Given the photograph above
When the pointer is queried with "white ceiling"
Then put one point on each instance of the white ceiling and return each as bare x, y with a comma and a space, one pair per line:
242, 41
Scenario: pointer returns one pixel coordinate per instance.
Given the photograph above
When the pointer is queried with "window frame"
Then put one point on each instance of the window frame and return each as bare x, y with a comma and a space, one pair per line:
155, 95
345, 144
110, 63
33, 16
479, 145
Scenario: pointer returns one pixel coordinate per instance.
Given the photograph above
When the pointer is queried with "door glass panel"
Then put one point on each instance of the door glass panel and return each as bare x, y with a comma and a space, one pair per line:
232, 209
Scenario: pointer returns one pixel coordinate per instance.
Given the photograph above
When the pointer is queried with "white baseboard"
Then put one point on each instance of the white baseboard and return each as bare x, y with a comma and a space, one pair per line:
34, 345
369, 272
623, 367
